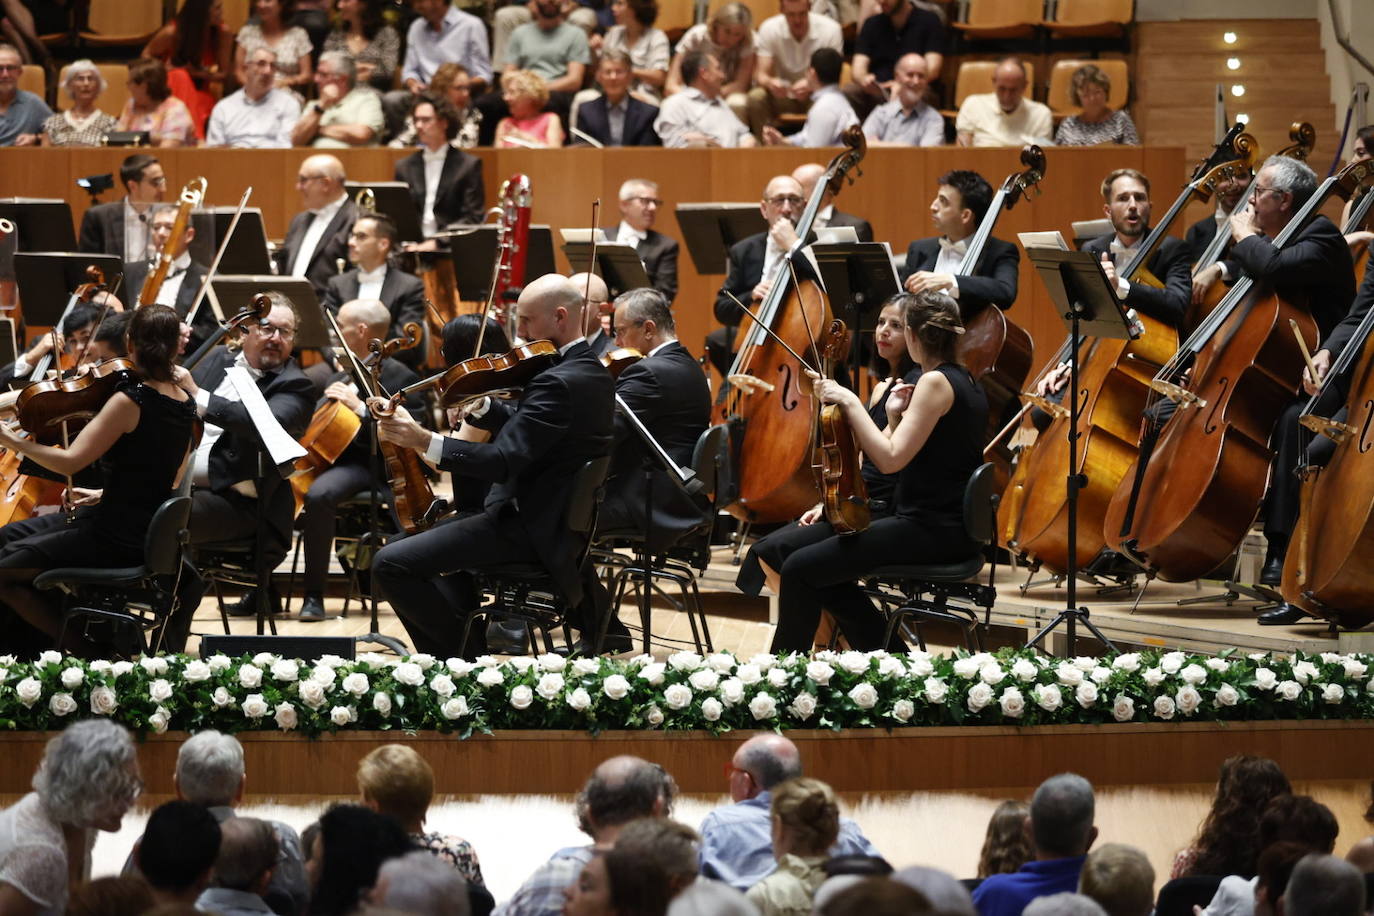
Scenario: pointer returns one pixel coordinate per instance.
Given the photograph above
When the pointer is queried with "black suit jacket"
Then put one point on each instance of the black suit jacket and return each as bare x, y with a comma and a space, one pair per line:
861, 226
332, 246
136, 273
745, 269
594, 120
1171, 265
993, 279
1341, 336
460, 198
600, 343
1314, 271
659, 254
102, 231
402, 293
1199, 236
563, 421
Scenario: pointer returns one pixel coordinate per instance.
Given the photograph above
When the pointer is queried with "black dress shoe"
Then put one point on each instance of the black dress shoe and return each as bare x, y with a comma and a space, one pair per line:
613, 644
1283, 615
1272, 571
247, 606
312, 610
506, 637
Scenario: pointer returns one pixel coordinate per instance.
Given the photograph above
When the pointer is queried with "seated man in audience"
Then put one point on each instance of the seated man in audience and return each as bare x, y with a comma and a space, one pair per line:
555, 50
21, 113
177, 853
828, 217
121, 227
345, 114
639, 206
370, 246
515, 13
441, 33
1061, 831
1323, 885
620, 790
698, 116
1120, 878
737, 839
906, 120
258, 116
318, 236
616, 118
243, 872
783, 58
830, 114
901, 27
1004, 117
420, 885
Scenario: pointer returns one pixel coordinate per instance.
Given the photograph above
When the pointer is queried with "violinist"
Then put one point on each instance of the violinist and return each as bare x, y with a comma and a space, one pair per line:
563, 421
597, 299
893, 364
1359, 237
460, 343
360, 322
76, 330
371, 243
183, 280
933, 443
960, 202
142, 440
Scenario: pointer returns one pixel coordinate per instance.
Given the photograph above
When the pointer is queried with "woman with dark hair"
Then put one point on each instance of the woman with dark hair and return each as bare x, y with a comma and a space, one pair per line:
361, 33
198, 52
142, 439
153, 108
648, 48
1006, 847
350, 848
1228, 841
269, 29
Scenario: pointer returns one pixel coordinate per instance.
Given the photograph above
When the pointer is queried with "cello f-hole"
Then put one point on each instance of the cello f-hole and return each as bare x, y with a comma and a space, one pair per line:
1365, 444
1220, 398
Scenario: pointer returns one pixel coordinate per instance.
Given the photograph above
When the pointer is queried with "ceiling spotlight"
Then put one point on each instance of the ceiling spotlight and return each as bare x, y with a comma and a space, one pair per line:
1243, 118
1233, 63
1229, 37
1238, 90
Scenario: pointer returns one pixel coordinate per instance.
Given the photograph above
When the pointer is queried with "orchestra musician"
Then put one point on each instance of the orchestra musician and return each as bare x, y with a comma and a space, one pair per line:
318, 236
828, 216
371, 242
76, 330
934, 443
183, 280
563, 421
142, 439
639, 206
360, 322
960, 202
1229, 192
445, 182
1359, 237
596, 299
121, 228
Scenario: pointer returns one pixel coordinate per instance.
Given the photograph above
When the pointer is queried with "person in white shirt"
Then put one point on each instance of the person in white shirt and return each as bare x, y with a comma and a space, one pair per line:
697, 116
258, 116
906, 120
639, 206
345, 114
1004, 117
318, 236
830, 115
785, 45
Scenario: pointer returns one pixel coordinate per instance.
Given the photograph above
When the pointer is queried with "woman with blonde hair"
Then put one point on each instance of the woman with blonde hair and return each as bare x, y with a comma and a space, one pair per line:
83, 124
806, 823
529, 125
729, 37
1006, 847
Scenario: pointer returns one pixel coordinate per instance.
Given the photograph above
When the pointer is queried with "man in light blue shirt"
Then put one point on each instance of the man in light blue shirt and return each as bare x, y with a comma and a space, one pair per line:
906, 120
830, 115
737, 839
21, 113
247, 857
441, 34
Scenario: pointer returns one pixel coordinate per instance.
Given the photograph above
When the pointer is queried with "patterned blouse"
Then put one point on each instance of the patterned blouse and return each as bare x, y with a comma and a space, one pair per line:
64, 129
1118, 128
698, 38
650, 52
456, 851
293, 44
171, 120
383, 52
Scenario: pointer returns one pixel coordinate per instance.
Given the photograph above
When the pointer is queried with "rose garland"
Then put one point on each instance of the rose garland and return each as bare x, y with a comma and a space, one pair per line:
715, 693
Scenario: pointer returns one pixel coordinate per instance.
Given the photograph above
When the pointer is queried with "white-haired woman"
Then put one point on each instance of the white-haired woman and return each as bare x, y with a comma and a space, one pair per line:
83, 124
87, 780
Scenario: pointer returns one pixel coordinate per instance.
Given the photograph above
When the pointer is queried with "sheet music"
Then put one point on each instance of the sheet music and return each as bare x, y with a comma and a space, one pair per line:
283, 449
1052, 240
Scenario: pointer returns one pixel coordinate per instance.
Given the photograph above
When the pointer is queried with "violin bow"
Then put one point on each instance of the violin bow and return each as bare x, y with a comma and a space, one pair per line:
219, 255
591, 267
770, 332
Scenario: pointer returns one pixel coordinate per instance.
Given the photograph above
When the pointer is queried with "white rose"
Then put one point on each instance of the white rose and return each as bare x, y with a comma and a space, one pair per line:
777, 678
490, 677
615, 687
1288, 690
1188, 699
72, 678
677, 696
1266, 679
1172, 661
324, 675
1354, 668
250, 676
579, 699
488, 661
160, 691
763, 706
1227, 695
121, 668
217, 662
979, 696
159, 720
825, 655
311, 693
820, 672
653, 673
98, 666
919, 662
640, 660
1153, 677
29, 690
1086, 694
731, 691
1193, 675
1164, 706
966, 668
1048, 696
356, 683
1069, 674
409, 673
1123, 708
155, 665
286, 717
854, 662
442, 684
521, 697
936, 690
255, 707
551, 662
382, 703
196, 671
748, 674
286, 669
339, 715
982, 658
711, 709
1303, 672
549, 685
684, 661
49, 657
423, 659
1258, 656
992, 674
454, 708
766, 660
864, 695
103, 701
903, 710
1130, 662
1219, 665
221, 698
654, 716
704, 679
521, 663
62, 704
720, 662
1331, 658
1024, 670
803, 706
264, 659
1085, 663
585, 667
1332, 693
1013, 703
1100, 675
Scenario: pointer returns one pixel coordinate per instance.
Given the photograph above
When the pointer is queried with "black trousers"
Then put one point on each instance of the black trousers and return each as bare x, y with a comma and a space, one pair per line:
718, 346
334, 486
1294, 447
230, 518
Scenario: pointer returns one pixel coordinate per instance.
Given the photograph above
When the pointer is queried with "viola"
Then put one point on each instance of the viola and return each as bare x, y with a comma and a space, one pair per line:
621, 358
412, 498
844, 495
256, 310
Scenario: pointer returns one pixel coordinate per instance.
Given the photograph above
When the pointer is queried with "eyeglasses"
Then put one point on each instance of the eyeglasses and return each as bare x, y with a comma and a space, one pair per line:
647, 201
1260, 190
11, 68
159, 181
783, 199
305, 179
267, 329
730, 771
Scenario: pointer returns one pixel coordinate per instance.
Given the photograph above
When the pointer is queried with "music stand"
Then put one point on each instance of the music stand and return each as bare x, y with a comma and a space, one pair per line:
709, 230
42, 224
861, 276
46, 280
393, 199
474, 253
247, 251
616, 263
235, 292
1088, 306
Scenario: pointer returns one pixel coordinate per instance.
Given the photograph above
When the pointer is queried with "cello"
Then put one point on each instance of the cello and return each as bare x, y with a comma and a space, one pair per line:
1114, 382
761, 397
1198, 482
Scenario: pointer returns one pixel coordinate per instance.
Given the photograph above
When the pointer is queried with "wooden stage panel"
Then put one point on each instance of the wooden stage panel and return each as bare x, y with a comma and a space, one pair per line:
893, 193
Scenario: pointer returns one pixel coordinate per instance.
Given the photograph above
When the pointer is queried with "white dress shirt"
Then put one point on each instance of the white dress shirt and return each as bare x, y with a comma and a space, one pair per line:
200, 465
629, 235
434, 168
136, 232
370, 282
176, 275
313, 233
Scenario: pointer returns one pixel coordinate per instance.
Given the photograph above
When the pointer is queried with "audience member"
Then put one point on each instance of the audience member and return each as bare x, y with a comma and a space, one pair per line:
1004, 117
352, 844
87, 780
899, 28
946, 894
1007, 845
786, 43
737, 839
122, 228
1061, 829
1323, 885
453, 82
22, 114
1228, 840
521, 12
620, 790
705, 897
258, 116
440, 34
126, 895
526, 95
728, 36
652, 862
419, 884
248, 853
876, 897
614, 117
345, 114
1096, 123
199, 53
906, 120
153, 108
830, 114
697, 116
1120, 879
1275, 867
805, 824
646, 47
639, 206
372, 44
445, 182
1288, 820
177, 852
1064, 903
318, 236
270, 28
83, 124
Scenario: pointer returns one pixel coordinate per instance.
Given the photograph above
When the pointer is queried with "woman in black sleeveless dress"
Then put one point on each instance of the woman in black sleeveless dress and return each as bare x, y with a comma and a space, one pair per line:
141, 439
934, 443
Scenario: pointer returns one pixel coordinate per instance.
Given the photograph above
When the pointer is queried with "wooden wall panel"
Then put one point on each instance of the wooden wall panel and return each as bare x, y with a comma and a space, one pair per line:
893, 192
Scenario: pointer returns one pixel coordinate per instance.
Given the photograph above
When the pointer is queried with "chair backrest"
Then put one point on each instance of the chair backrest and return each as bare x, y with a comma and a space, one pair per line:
980, 514
1177, 897
31, 79
1004, 12
586, 494
126, 17
711, 460
975, 77
1091, 12
116, 93
1060, 98
162, 546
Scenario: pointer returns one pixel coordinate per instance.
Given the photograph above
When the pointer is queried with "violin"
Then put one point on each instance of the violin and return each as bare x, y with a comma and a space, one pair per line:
191, 196
844, 495
45, 409
621, 358
482, 376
